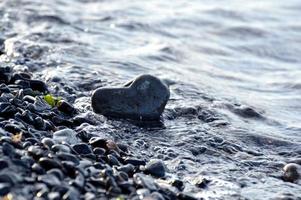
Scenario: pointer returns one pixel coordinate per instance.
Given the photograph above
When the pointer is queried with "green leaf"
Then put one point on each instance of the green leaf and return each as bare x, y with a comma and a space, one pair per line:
50, 100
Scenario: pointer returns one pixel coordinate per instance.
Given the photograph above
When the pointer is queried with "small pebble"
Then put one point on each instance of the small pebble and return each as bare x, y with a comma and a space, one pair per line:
60, 148
66, 107
135, 162
291, 172
82, 148
66, 135
155, 168
48, 163
4, 188
47, 142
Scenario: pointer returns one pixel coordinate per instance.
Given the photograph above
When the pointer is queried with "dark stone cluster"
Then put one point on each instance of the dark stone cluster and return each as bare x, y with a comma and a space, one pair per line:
42, 156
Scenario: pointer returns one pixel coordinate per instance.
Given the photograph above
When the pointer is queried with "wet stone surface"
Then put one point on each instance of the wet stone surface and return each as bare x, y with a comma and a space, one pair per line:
52, 161
144, 98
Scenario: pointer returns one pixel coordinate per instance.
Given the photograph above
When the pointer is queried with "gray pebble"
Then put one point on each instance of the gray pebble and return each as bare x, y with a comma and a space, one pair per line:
292, 172
82, 148
66, 135
155, 168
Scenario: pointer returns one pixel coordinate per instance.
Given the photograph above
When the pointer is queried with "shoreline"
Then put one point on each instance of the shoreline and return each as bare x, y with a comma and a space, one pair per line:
44, 155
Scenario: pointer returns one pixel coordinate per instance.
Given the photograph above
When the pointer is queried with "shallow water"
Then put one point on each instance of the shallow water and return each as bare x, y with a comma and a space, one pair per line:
233, 67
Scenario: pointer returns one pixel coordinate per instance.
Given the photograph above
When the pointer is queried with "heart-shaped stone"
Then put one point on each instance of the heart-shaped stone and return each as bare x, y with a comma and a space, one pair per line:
144, 98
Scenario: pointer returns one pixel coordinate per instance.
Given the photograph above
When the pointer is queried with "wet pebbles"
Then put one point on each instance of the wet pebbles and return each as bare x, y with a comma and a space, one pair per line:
44, 157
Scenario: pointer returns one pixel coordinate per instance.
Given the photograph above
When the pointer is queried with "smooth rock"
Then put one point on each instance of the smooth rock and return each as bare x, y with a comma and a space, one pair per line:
145, 181
128, 168
48, 163
79, 181
113, 160
155, 168
47, 142
57, 172
69, 168
37, 168
66, 135
4, 188
38, 85
144, 98
8, 150
185, 196
10, 177
99, 151
134, 161
292, 172
60, 148
66, 107
49, 179
54, 196
98, 142
82, 148
68, 157
4, 88
71, 194
41, 105
35, 151
5, 74
178, 184
155, 196
3, 164
7, 110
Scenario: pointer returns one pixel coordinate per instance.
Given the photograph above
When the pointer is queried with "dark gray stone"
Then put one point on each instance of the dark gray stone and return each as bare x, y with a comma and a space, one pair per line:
134, 161
292, 172
128, 168
66, 107
60, 148
4, 88
185, 196
113, 160
68, 157
3, 164
37, 168
38, 85
99, 151
48, 163
144, 98
145, 181
49, 179
71, 194
48, 142
7, 110
57, 172
5, 74
155, 168
35, 151
10, 178
8, 150
82, 148
4, 189
98, 142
